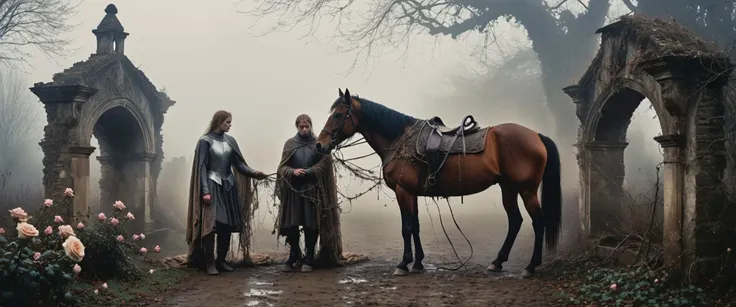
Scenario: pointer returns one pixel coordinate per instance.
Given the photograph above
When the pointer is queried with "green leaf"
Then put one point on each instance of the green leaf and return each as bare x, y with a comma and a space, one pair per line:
3, 239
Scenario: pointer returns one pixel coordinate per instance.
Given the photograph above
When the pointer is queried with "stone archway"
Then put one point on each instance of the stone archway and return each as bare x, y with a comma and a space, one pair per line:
683, 77
107, 97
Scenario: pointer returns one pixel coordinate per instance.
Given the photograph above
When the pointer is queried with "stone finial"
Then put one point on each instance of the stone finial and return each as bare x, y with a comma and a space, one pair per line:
111, 9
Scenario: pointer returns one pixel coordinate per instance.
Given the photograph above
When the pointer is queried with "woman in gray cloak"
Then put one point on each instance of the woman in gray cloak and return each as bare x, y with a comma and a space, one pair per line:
220, 197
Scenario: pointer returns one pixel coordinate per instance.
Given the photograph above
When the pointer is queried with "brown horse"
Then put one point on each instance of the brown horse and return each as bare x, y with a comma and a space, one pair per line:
515, 157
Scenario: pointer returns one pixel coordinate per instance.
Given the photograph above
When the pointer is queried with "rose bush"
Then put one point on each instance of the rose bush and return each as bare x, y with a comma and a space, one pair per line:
36, 267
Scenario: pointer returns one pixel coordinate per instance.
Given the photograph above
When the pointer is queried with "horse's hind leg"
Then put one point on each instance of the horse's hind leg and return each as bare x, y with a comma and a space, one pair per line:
405, 205
417, 267
511, 206
533, 207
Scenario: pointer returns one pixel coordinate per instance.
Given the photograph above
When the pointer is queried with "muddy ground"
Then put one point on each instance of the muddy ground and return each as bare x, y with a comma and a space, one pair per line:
376, 234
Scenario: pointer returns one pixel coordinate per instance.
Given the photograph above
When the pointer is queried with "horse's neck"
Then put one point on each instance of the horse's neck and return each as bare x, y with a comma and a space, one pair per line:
380, 144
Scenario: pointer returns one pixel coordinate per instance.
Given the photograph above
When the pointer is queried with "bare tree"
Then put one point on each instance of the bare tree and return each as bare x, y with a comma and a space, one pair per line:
561, 34
20, 117
28, 24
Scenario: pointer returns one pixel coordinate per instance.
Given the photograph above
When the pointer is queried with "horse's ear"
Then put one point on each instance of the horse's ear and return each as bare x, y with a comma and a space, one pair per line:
348, 98
339, 91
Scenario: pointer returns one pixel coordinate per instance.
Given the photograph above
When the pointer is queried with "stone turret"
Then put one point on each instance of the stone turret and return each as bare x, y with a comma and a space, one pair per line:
110, 33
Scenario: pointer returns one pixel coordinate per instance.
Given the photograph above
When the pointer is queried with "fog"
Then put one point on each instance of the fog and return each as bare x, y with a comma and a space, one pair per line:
211, 57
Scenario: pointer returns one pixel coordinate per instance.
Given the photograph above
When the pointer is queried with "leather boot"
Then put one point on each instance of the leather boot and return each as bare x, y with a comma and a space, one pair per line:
223, 246
295, 252
310, 240
208, 243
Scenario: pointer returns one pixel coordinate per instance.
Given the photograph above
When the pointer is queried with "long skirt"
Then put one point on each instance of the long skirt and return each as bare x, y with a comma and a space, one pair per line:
225, 198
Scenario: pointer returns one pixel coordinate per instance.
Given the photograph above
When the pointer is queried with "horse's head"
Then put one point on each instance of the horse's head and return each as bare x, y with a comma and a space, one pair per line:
342, 123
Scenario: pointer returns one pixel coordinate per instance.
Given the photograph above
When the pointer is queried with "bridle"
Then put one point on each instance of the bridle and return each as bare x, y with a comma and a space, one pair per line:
333, 135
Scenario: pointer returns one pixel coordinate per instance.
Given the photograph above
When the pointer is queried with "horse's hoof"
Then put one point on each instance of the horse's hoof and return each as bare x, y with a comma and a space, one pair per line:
306, 268
417, 271
400, 272
286, 268
493, 268
526, 274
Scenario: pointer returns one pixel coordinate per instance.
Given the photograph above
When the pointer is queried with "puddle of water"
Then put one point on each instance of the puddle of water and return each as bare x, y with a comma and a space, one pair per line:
351, 280
262, 293
252, 303
388, 288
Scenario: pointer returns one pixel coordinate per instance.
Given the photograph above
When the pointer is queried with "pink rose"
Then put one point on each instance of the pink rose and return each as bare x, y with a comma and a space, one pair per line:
48, 202
69, 192
119, 205
65, 231
101, 216
136, 237
114, 221
48, 230
76, 269
97, 291
614, 287
19, 214
104, 286
151, 271
26, 231
144, 250
36, 256
157, 249
130, 216
2, 231
143, 237
80, 225
120, 238
58, 219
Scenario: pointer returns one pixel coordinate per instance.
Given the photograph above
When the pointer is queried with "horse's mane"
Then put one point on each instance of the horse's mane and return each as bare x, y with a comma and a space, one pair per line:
386, 121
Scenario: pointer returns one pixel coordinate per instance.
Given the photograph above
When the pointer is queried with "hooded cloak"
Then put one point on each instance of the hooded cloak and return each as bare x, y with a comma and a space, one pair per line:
201, 217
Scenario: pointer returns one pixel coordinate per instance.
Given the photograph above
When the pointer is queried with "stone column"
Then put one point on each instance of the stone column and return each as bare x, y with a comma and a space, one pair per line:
109, 184
79, 164
66, 165
142, 192
604, 192
674, 176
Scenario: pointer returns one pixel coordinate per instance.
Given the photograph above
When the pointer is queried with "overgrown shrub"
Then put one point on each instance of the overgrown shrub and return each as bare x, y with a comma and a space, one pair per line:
36, 267
111, 249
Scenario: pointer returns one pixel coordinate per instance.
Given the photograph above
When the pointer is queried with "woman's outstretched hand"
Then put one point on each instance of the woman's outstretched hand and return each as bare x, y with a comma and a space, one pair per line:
260, 175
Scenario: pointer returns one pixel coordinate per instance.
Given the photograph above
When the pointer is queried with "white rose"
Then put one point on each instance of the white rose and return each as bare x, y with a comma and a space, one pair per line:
65, 231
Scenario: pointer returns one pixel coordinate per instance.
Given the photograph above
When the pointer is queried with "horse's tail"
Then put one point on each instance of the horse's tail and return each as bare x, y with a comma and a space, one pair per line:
552, 193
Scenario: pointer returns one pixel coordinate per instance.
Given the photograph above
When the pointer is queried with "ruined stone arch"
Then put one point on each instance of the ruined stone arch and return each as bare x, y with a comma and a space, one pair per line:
96, 111
80, 102
684, 79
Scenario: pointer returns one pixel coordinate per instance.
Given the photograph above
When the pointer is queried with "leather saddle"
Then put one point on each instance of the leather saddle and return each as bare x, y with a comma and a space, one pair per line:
437, 142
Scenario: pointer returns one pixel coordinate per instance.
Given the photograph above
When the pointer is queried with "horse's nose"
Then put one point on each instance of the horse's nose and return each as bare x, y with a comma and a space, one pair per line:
319, 146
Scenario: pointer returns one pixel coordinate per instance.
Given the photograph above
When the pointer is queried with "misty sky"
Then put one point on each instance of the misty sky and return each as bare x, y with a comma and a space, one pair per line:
209, 57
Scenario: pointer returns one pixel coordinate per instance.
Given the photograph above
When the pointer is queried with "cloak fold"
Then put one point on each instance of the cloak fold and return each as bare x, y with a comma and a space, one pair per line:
324, 197
201, 217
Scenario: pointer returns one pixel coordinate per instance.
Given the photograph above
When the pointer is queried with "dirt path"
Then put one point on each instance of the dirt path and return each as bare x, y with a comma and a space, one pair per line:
367, 284
377, 235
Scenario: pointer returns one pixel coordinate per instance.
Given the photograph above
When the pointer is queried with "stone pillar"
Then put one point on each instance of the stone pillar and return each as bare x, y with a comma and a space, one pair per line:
140, 188
66, 164
604, 191
109, 184
674, 176
79, 164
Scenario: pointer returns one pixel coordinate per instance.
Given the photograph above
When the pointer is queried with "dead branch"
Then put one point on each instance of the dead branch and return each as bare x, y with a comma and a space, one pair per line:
28, 24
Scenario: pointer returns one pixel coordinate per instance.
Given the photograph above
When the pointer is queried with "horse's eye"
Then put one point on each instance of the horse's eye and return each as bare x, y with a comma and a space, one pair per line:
337, 115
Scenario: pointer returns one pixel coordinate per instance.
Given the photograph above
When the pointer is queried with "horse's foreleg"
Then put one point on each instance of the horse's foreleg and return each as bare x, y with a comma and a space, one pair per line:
417, 267
531, 202
405, 205
514, 219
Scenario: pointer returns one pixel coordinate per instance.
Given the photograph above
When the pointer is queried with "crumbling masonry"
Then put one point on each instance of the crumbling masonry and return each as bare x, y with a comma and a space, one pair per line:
684, 78
108, 97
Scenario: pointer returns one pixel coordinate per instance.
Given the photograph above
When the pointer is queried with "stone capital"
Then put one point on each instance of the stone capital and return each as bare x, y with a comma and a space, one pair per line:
146, 156
49, 93
576, 92
674, 140
81, 150
605, 145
